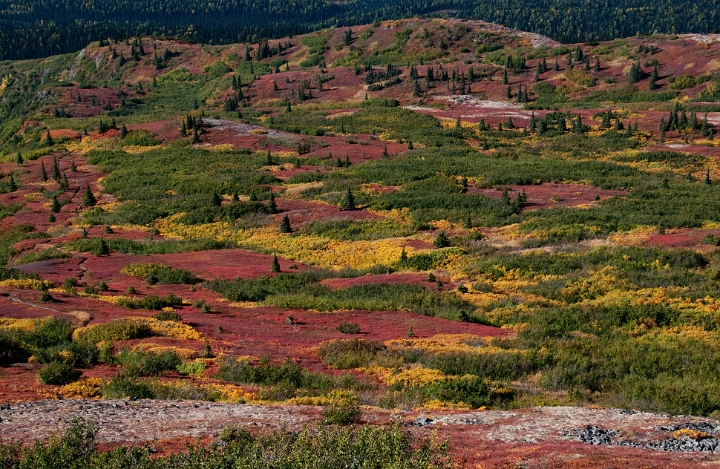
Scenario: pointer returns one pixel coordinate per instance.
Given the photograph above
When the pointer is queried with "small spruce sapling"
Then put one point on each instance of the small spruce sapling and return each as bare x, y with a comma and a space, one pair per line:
348, 201
272, 206
88, 199
275, 266
441, 240
285, 225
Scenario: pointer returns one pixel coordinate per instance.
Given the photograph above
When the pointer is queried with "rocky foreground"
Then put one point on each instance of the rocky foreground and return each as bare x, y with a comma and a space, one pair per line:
580, 437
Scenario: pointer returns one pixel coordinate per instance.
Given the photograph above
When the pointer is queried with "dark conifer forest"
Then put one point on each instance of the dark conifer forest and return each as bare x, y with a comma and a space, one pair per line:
31, 29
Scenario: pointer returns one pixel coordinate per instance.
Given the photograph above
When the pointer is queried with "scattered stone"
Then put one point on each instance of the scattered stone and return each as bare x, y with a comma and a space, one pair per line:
422, 421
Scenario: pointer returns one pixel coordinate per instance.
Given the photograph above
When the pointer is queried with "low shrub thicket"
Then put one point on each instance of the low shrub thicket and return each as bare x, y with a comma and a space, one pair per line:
317, 446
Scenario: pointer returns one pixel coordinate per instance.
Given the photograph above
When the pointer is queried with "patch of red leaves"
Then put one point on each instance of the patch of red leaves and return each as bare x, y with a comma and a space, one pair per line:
551, 195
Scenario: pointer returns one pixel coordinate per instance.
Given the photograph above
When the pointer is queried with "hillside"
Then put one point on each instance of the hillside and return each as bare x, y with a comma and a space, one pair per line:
451, 222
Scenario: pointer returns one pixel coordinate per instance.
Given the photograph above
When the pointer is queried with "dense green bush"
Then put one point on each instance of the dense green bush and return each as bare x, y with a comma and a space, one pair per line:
123, 387
144, 363
118, 329
343, 413
159, 274
151, 302
81, 354
167, 316
58, 373
17, 345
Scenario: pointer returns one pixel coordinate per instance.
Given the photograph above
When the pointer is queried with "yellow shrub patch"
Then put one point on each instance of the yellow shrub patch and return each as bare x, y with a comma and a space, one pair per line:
25, 284
176, 330
25, 324
449, 343
416, 376
694, 434
232, 393
135, 149
85, 388
436, 404
223, 147
184, 353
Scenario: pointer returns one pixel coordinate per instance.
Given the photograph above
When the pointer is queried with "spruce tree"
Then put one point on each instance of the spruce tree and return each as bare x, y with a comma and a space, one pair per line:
55, 205
43, 173
63, 182
403, 256
385, 152
102, 249
272, 206
652, 84
597, 64
196, 136
215, 200
88, 199
562, 126
19, 159
49, 140
416, 89
605, 124
285, 225
206, 351
441, 240
505, 77
275, 266
13, 184
123, 132
579, 54
348, 201
73, 168
635, 73
56, 170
